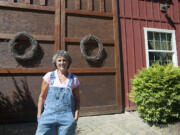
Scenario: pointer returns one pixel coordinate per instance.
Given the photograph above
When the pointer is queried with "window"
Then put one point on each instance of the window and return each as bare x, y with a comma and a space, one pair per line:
160, 46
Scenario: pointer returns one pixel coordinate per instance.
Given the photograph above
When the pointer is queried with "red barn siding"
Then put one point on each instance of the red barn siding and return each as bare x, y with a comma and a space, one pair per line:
134, 8
134, 15
178, 43
138, 45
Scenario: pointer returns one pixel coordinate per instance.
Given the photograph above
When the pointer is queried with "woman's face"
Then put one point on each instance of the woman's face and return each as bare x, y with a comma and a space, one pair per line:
61, 63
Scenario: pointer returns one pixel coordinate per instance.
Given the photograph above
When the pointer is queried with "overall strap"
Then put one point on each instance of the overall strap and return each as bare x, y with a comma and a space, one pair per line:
70, 80
52, 78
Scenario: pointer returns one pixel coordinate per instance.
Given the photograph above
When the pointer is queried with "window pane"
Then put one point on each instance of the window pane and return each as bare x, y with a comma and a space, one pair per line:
150, 35
162, 58
151, 45
163, 37
164, 45
169, 36
157, 45
157, 36
169, 46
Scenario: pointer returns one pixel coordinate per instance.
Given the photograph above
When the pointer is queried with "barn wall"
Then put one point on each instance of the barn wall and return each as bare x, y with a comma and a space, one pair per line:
134, 15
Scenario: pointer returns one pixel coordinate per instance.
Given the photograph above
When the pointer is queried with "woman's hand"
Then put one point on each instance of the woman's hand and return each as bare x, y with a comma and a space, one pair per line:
76, 117
77, 103
38, 115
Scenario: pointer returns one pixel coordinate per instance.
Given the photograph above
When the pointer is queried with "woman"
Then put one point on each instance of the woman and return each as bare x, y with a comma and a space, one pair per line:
60, 96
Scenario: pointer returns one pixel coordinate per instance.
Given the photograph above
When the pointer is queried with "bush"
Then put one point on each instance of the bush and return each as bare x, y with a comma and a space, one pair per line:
156, 93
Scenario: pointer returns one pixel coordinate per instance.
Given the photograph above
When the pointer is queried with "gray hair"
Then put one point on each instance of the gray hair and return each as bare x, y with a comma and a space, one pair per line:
64, 54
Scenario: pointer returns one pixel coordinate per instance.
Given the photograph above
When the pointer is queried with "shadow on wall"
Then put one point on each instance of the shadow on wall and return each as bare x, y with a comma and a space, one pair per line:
170, 21
18, 129
100, 62
20, 107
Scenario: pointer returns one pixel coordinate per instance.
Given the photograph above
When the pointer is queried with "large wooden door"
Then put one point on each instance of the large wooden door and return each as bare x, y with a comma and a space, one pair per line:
59, 24
100, 88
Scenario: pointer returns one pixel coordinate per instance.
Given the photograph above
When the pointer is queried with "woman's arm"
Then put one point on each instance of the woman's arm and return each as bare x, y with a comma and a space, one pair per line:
77, 102
42, 96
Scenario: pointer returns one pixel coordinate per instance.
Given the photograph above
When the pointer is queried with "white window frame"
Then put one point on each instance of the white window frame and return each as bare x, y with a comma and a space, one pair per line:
174, 49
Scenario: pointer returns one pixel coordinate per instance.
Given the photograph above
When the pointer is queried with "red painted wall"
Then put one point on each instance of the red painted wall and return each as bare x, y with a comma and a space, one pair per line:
134, 15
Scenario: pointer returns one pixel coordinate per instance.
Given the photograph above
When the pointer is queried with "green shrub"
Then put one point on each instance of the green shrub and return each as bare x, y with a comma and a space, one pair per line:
156, 93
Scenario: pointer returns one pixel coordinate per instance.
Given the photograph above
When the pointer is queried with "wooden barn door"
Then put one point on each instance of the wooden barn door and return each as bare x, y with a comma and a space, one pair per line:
58, 24
100, 88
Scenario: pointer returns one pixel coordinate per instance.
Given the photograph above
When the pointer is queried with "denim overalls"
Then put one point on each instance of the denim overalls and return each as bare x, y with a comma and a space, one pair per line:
58, 114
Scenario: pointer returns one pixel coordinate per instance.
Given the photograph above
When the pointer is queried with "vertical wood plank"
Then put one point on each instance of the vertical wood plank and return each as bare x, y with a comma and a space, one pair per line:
135, 8
149, 10
142, 9
117, 53
179, 10
145, 4
102, 6
138, 45
63, 24
27, 1
42, 2
125, 62
121, 8
131, 53
84, 4
11, 0
142, 25
77, 4
128, 8
57, 32
178, 43
156, 10
175, 10
131, 7
90, 5
178, 50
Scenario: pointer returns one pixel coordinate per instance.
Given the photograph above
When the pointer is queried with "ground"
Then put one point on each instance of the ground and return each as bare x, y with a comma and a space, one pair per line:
127, 123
